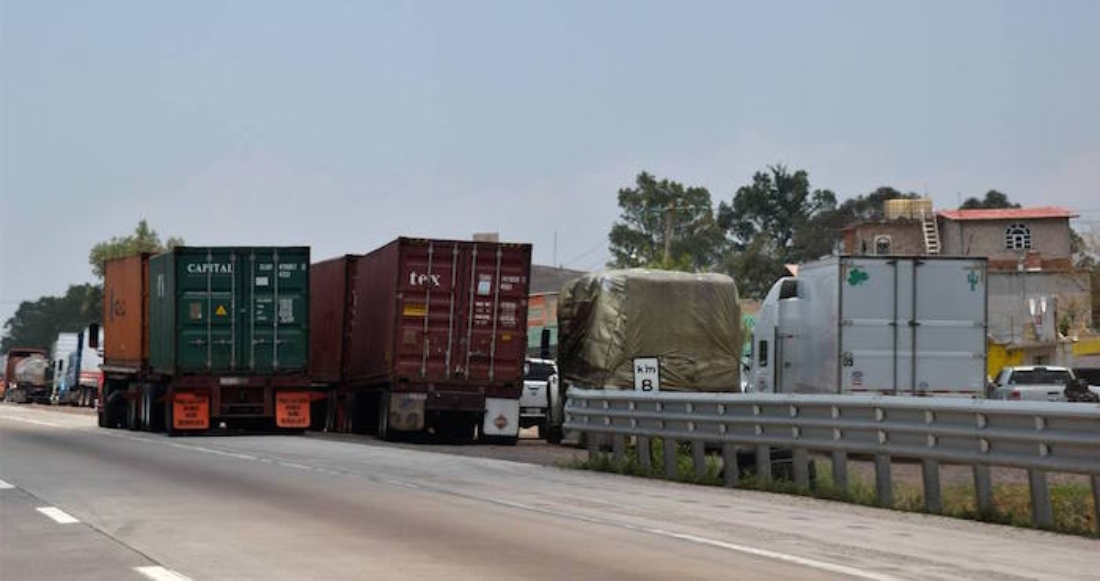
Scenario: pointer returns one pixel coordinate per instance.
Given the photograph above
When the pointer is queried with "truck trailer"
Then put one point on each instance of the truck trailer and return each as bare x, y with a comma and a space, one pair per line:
25, 375
422, 336
201, 338
898, 325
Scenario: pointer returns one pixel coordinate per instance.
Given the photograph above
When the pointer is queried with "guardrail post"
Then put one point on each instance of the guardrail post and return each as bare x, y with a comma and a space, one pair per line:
699, 458
644, 456
671, 461
801, 462
595, 441
730, 469
983, 488
1096, 502
840, 470
933, 500
1042, 513
884, 486
763, 463
618, 449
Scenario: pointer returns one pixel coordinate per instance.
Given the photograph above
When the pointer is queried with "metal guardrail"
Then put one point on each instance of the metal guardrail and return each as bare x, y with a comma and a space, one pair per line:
1039, 437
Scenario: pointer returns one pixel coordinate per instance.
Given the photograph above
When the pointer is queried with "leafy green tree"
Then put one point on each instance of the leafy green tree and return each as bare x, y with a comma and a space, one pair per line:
36, 324
665, 225
777, 219
870, 206
992, 200
143, 239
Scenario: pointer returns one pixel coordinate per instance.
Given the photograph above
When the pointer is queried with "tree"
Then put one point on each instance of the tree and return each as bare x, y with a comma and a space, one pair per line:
143, 239
36, 324
776, 219
665, 225
993, 200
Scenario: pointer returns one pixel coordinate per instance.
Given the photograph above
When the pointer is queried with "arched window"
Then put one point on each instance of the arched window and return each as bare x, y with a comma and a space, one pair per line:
882, 245
1018, 237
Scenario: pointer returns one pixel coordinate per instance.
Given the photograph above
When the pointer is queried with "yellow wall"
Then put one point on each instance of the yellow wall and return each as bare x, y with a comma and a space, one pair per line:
1087, 346
1001, 356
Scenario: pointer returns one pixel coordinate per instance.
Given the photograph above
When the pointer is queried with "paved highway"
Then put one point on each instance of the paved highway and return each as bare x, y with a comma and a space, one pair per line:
79, 502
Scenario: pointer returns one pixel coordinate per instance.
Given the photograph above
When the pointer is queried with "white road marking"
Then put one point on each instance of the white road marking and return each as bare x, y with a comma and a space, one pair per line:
58, 515
158, 573
293, 465
5, 485
30, 421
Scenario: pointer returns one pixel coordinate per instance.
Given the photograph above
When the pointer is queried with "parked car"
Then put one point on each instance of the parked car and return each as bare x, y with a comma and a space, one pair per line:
1032, 383
534, 402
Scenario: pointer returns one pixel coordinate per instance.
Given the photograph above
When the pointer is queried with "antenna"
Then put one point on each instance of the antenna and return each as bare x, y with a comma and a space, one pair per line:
555, 262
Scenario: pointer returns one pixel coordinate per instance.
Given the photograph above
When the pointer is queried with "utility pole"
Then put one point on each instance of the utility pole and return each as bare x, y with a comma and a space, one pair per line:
668, 232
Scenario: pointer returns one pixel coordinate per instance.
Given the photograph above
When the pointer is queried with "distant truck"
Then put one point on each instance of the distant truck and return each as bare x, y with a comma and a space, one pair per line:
198, 338
25, 375
77, 373
690, 324
875, 325
422, 336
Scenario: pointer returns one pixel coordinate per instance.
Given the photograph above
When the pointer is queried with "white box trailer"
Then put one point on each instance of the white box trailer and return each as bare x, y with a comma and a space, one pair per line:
875, 324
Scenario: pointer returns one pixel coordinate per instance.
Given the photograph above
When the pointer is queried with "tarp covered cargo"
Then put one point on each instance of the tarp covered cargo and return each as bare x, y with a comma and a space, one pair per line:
690, 322
32, 370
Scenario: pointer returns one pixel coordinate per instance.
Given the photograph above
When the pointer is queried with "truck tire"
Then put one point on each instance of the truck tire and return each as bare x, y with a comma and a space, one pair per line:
384, 416
554, 434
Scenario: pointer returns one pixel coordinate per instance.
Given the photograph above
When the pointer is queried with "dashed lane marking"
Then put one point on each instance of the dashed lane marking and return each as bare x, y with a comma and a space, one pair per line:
58, 515
158, 573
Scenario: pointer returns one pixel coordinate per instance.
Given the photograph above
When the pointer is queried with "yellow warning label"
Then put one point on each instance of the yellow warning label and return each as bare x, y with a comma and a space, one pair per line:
220, 311
414, 310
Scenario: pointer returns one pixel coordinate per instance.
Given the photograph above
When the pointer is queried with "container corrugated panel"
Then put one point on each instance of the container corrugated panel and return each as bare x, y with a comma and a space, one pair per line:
440, 311
240, 310
331, 299
125, 312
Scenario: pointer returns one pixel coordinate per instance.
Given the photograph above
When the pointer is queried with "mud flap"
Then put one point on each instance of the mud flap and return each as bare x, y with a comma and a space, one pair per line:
292, 409
501, 418
190, 411
407, 411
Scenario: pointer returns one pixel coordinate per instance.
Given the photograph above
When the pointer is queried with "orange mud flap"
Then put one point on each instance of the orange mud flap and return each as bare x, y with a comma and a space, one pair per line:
190, 411
292, 409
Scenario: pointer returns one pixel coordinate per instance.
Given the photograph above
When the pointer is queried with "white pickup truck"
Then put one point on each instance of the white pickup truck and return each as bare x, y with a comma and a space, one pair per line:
1032, 383
534, 402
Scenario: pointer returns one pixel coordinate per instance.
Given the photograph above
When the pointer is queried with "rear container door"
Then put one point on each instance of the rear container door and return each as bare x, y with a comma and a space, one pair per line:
874, 297
428, 309
494, 313
950, 331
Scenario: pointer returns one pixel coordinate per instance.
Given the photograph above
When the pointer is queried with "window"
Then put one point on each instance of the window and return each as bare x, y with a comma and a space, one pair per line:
882, 245
1018, 237
762, 354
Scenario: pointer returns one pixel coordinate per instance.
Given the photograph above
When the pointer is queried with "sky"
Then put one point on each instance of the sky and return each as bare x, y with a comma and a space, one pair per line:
344, 124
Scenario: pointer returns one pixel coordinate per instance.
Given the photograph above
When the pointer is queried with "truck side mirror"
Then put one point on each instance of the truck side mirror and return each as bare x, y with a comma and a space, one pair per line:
93, 335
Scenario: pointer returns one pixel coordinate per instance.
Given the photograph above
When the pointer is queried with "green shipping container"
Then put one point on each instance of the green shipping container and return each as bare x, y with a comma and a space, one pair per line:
229, 310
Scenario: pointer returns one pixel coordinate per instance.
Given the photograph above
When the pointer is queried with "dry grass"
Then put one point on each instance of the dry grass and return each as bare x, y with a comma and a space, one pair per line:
1072, 500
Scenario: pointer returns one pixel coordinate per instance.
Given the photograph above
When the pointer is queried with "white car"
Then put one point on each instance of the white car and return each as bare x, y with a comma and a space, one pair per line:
535, 400
1032, 383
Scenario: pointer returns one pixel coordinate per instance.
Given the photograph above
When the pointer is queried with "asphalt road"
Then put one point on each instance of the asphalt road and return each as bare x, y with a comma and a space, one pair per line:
274, 507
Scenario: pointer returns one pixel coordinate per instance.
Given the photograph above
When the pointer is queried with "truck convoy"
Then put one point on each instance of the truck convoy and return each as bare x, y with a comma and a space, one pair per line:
25, 376
199, 338
877, 325
422, 336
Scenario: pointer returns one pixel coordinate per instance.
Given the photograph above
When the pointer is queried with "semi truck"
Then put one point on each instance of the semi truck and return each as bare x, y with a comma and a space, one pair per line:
25, 373
202, 338
76, 364
422, 336
898, 325
686, 326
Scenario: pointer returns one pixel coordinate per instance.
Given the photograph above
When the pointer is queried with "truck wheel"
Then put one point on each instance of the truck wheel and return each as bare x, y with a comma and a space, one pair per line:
554, 434
384, 415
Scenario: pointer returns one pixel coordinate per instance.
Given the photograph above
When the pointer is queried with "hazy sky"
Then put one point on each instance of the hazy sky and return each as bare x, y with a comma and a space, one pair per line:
343, 125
